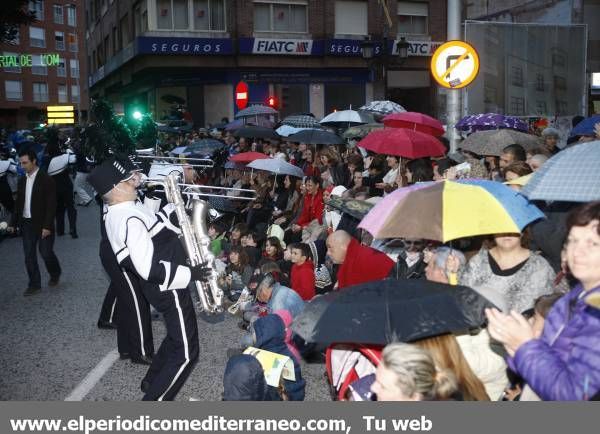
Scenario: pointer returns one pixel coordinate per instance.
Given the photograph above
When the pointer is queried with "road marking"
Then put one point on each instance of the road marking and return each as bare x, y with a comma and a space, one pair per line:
91, 379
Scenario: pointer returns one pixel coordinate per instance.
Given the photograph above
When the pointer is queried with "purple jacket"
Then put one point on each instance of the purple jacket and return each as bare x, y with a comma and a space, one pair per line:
564, 364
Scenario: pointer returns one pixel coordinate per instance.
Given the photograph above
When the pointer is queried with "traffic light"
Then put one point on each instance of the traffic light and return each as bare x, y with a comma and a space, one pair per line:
272, 102
137, 115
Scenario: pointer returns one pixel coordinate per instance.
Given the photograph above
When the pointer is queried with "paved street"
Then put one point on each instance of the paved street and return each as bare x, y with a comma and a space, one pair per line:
50, 342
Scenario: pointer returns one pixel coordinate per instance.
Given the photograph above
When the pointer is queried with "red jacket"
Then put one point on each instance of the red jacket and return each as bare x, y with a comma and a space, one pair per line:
303, 280
363, 264
312, 209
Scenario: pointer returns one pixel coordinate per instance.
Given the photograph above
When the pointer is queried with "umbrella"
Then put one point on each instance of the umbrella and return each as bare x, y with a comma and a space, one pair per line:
492, 142
415, 121
449, 210
256, 132
384, 107
586, 127
234, 165
277, 166
361, 131
247, 157
403, 143
356, 208
316, 137
390, 310
346, 117
572, 175
180, 150
491, 121
301, 121
172, 99
286, 130
204, 147
170, 130
255, 110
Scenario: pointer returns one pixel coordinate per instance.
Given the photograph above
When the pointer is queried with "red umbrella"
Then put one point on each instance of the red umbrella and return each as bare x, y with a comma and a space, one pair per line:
415, 121
247, 157
403, 143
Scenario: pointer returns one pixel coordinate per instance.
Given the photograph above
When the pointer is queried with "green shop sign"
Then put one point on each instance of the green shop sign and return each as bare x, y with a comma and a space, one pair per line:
25, 60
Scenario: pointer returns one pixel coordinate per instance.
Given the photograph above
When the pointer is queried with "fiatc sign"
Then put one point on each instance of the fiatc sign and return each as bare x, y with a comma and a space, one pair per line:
26, 60
455, 64
279, 47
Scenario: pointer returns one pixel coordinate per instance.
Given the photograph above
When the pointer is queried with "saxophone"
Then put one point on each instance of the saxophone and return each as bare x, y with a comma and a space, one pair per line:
196, 241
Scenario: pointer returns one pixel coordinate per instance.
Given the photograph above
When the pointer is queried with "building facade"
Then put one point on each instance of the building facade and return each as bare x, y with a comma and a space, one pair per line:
305, 53
45, 65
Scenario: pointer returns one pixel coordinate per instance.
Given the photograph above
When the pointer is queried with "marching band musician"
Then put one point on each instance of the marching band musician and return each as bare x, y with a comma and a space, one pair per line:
125, 307
7, 167
147, 244
58, 170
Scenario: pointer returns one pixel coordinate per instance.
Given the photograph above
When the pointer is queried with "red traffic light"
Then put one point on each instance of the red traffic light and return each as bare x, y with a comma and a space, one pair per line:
272, 102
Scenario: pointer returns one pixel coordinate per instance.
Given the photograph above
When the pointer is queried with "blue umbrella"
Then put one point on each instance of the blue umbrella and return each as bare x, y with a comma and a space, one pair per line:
586, 126
204, 147
572, 175
276, 166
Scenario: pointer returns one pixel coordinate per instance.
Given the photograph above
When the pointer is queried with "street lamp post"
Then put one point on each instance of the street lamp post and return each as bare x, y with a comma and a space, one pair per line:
368, 49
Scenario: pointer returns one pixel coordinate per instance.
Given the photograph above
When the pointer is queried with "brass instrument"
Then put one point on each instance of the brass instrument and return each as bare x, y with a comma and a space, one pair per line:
178, 161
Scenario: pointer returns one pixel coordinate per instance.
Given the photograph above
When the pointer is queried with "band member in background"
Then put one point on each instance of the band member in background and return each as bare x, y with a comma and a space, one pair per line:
34, 212
125, 307
58, 169
147, 244
7, 167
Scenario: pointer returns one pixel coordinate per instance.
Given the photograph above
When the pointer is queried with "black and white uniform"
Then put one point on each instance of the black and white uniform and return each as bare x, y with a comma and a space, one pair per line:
7, 167
148, 245
124, 303
57, 169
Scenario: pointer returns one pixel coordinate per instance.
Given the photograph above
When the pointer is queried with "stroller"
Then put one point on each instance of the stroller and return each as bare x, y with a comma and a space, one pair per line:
346, 363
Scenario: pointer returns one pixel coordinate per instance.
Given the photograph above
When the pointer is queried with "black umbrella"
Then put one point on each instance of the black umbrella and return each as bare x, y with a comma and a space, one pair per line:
390, 310
172, 99
256, 132
316, 137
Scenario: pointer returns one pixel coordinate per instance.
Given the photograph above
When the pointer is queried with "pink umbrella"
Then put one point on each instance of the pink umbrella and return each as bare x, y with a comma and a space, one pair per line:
403, 143
415, 121
379, 214
247, 157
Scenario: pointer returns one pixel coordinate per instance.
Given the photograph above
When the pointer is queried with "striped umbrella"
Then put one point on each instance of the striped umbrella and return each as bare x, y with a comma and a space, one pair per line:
301, 121
449, 210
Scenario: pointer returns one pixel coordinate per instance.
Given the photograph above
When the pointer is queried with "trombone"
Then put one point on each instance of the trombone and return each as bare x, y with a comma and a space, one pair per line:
177, 161
196, 191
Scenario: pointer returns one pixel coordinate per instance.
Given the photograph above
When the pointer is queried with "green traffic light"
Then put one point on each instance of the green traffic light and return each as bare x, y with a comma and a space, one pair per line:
137, 115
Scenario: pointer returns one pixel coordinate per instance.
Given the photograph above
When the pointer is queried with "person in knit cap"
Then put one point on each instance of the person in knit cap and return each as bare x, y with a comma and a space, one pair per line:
359, 264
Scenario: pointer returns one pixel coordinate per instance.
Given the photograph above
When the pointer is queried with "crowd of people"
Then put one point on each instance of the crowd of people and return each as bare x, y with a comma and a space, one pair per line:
290, 245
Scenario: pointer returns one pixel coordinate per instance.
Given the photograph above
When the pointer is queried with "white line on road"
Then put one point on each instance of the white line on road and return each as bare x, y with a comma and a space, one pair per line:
91, 379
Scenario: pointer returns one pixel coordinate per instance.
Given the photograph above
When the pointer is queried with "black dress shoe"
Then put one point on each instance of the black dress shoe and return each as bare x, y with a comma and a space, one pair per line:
108, 325
54, 281
124, 356
145, 386
31, 291
141, 360
74, 235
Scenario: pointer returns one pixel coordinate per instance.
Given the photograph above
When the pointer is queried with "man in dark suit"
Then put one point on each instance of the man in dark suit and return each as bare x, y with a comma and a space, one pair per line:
35, 210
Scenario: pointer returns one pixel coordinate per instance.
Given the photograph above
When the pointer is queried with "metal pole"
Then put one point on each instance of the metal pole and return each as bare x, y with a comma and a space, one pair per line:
453, 100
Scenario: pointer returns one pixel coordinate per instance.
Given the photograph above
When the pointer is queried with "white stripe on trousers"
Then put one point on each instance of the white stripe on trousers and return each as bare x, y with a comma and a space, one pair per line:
137, 311
185, 345
112, 310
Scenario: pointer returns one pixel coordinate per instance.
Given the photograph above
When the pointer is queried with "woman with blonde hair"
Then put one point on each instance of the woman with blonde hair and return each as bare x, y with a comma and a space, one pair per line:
447, 355
408, 373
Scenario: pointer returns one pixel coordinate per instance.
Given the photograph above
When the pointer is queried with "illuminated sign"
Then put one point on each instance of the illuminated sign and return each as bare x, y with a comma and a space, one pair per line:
60, 114
26, 60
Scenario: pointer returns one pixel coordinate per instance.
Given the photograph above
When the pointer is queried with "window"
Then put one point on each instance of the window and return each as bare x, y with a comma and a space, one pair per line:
37, 67
539, 82
37, 6
14, 69
58, 14
59, 40
74, 67
140, 16
72, 38
172, 14
351, 18
17, 39
40, 92
61, 70
37, 37
209, 15
124, 31
13, 90
560, 83
71, 15
517, 76
115, 41
280, 17
412, 18
517, 105
74, 93
62, 93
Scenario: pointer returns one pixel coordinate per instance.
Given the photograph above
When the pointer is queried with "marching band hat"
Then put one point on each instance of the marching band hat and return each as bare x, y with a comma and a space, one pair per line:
108, 174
